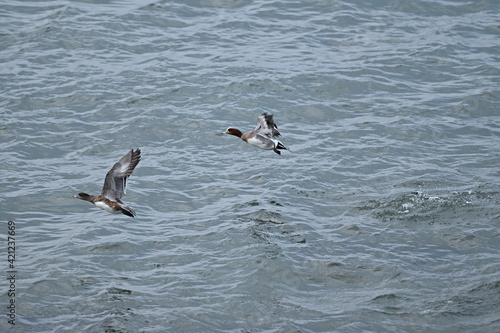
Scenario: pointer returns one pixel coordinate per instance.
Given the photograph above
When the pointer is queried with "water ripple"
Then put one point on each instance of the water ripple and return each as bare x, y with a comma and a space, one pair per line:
382, 217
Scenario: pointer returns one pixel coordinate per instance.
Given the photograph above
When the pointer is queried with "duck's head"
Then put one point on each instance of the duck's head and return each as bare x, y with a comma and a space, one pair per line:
83, 196
234, 131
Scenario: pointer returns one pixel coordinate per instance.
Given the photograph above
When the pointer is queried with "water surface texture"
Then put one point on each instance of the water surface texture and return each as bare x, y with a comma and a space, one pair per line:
383, 217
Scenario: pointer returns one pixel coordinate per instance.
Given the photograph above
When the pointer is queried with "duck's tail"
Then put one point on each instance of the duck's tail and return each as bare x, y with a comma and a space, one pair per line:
280, 146
128, 211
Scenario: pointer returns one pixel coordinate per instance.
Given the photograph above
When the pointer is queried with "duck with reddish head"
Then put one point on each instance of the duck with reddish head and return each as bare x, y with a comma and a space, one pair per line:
263, 136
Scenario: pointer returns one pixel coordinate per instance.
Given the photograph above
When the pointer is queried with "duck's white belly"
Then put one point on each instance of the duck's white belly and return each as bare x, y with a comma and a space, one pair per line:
261, 142
102, 205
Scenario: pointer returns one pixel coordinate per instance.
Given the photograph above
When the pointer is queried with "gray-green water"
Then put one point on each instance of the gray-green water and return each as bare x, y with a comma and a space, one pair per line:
384, 217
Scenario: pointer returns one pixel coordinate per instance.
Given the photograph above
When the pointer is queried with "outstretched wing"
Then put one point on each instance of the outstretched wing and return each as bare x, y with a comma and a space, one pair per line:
115, 183
266, 126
